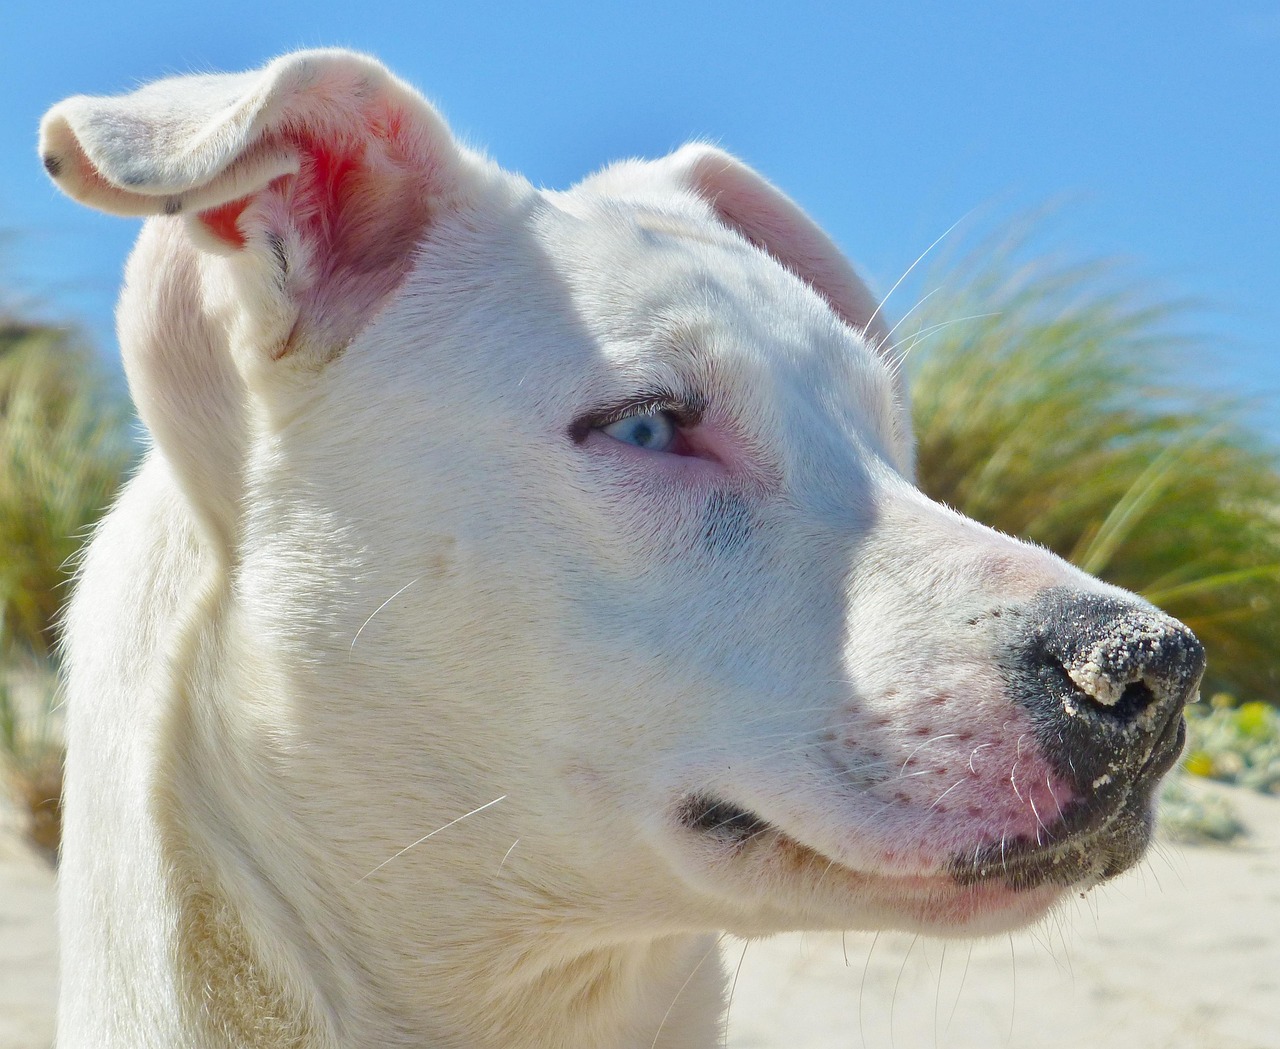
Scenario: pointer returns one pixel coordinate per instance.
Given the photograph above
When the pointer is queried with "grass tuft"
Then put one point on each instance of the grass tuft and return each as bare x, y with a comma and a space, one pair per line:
1050, 413
64, 449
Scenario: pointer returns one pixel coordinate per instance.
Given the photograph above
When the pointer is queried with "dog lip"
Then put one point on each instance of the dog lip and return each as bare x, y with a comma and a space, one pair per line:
936, 898
1077, 862
719, 819
1098, 837
1093, 843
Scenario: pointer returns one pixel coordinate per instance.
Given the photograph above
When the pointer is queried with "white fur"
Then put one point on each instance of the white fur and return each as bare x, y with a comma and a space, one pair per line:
366, 584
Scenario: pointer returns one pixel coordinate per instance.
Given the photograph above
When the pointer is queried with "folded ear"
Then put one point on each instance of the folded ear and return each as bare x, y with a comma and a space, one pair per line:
316, 175
289, 204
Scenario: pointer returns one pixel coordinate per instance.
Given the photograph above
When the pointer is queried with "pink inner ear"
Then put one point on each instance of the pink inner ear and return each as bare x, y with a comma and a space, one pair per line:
223, 221
319, 193
350, 218
327, 183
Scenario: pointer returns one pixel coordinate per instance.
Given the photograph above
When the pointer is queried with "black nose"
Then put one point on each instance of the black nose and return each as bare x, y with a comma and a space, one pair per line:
1105, 681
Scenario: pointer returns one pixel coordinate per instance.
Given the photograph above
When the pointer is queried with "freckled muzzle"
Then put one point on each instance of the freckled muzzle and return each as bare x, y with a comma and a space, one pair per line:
1104, 682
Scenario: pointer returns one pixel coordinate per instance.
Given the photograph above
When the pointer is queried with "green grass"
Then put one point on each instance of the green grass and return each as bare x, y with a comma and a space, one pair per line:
1045, 407
1235, 743
64, 448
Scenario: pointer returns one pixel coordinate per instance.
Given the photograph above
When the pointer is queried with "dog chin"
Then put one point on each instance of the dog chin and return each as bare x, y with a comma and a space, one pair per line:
995, 887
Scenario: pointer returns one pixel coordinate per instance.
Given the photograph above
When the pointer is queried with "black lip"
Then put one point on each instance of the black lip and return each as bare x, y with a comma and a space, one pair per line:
719, 819
1098, 837
1077, 860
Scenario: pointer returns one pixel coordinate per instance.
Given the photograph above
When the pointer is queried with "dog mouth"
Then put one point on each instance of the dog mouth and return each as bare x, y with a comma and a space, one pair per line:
1081, 860
1096, 840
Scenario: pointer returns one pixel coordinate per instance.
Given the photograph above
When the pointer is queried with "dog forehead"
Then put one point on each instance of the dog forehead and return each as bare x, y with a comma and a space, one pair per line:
663, 271
671, 297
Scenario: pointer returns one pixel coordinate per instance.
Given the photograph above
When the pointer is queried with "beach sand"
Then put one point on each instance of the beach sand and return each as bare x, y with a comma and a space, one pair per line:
1182, 953
28, 959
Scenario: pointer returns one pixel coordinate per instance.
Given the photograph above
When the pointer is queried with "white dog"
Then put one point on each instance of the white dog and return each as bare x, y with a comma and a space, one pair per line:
524, 587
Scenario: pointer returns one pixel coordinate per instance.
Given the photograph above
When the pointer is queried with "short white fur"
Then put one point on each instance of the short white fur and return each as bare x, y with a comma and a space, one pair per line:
369, 590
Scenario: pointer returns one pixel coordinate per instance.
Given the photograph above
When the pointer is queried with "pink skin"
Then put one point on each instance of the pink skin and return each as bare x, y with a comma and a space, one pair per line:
704, 454
911, 823
992, 776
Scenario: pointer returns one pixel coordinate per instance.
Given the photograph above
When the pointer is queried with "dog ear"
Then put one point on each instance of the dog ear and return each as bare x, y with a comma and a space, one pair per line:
315, 176
289, 204
764, 215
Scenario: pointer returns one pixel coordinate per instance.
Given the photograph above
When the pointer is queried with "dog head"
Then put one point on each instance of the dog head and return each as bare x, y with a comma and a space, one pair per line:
593, 510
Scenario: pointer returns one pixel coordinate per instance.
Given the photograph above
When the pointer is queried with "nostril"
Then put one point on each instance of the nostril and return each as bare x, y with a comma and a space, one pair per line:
1125, 660
1135, 698
1121, 703
1097, 684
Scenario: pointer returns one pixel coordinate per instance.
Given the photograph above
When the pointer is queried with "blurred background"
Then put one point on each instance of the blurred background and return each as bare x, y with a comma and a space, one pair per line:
1071, 209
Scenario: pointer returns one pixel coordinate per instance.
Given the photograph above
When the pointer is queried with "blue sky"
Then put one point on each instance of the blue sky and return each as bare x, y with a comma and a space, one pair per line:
1155, 125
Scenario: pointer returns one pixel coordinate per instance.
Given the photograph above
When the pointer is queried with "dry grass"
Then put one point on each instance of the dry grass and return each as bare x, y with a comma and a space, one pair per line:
64, 449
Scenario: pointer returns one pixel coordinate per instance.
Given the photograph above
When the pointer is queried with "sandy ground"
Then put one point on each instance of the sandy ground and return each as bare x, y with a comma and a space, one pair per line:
28, 960
1183, 953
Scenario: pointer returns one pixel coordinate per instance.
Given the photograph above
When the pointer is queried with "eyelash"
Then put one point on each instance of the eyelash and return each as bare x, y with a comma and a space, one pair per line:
685, 412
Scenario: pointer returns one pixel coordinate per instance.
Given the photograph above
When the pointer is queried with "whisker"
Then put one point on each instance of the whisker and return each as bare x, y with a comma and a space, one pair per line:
1013, 1005
414, 845
862, 990
1062, 817
379, 609
937, 995
944, 794
918, 337
903, 319
1041, 827
692, 973
508, 853
893, 1001
733, 987
919, 259
928, 742
960, 990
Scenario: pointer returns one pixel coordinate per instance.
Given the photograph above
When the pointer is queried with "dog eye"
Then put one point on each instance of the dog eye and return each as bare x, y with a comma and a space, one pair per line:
653, 431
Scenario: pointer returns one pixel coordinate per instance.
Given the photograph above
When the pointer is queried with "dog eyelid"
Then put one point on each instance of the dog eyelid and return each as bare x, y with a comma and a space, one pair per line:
684, 411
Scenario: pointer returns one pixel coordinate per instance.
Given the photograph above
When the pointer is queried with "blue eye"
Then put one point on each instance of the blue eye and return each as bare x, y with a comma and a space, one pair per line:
653, 431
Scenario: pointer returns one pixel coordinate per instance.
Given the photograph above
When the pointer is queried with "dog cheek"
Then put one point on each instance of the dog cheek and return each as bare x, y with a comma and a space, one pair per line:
726, 524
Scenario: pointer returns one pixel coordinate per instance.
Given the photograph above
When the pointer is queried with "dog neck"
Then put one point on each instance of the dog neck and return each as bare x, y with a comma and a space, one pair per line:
488, 978
279, 945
